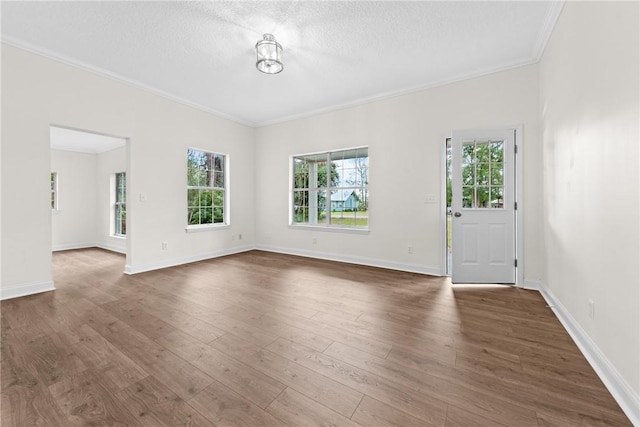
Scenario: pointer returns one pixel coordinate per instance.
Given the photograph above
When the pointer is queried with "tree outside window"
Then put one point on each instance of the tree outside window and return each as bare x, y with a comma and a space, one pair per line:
331, 188
121, 205
205, 188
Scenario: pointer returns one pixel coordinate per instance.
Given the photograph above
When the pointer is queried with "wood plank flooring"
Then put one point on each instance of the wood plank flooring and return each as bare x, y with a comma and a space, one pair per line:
262, 339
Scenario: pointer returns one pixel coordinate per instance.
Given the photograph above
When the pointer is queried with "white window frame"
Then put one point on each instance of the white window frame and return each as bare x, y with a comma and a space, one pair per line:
54, 191
191, 228
326, 224
119, 204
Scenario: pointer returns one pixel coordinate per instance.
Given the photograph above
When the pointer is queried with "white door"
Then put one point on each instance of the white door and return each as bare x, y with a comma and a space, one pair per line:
483, 206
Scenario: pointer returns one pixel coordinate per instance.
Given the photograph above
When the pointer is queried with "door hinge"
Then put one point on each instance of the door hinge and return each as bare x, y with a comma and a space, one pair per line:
515, 206
516, 149
515, 262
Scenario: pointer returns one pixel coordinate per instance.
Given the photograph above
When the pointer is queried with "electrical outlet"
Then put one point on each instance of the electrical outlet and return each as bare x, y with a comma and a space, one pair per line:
409, 249
165, 246
314, 240
239, 236
592, 309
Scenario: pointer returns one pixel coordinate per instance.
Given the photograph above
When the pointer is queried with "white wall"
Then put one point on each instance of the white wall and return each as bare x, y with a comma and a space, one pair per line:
406, 137
109, 163
589, 121
83, 218
75, 222
38, 92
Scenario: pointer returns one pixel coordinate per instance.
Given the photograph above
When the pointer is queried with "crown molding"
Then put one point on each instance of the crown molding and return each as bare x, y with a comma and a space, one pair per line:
550, 20
37, 50
401, 92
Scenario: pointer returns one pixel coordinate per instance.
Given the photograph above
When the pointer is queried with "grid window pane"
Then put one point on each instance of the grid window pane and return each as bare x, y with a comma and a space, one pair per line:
331, 188
206, 182
482, 152
482, 174
468, 194
497, 201
468, 153
468, 174
320, 208
120, 217
54, 190
301, 206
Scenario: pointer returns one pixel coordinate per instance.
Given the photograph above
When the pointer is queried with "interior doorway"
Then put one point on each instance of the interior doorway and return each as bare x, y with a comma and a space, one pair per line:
89, 174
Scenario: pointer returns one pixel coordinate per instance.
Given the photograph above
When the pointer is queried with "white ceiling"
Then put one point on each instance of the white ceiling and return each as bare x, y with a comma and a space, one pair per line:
83, 142
336, 53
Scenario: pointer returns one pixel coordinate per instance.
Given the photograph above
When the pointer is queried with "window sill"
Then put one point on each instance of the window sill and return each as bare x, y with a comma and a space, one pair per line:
208, 227
333, 229
119, 236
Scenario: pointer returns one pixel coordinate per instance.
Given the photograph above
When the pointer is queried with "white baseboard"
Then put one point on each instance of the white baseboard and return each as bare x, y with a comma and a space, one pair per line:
25, 289
628, 400
135, 269
101, 245
112, 248
71, 246
371, 262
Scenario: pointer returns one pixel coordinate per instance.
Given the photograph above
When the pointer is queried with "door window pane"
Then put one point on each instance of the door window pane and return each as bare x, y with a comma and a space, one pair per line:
482, 174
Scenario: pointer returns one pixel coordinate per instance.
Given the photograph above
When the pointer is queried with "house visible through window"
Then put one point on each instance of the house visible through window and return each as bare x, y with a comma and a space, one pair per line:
54, 190
206, 188
121, 205
331, 188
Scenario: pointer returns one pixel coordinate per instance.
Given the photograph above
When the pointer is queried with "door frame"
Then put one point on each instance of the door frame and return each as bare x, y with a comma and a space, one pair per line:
519, 199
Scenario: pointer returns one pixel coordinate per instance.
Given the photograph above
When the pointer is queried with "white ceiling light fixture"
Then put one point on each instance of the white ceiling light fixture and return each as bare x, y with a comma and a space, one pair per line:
269, 53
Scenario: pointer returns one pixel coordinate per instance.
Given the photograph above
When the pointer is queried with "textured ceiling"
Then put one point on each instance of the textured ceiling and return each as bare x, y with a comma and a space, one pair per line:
335, 53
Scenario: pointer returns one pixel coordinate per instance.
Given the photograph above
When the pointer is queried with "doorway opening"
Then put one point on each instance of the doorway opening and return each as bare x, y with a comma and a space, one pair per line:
89, 174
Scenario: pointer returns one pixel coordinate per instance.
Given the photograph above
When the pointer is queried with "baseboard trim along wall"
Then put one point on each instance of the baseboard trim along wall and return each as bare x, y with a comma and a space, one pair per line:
26, 289
628, 400
371, 262
135, 269
101, 245
112, 248
72, 246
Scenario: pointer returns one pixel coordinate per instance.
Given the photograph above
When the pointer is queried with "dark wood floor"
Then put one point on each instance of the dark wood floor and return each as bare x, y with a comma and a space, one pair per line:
265, 339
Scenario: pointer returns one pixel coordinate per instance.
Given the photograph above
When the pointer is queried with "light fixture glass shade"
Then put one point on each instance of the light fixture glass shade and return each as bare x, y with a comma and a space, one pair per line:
269, 55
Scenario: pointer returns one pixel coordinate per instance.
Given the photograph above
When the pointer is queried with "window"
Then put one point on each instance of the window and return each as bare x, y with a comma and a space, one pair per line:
206, 188
121, 205
54, 190
482, 174
331, 189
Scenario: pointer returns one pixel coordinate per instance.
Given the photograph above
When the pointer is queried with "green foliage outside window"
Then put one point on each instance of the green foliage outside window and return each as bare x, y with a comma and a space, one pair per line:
331, 188
482, 175
205, 187
121, 204
301, 180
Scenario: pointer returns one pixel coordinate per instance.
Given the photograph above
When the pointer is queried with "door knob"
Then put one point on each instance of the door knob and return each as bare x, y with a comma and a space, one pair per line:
457, 214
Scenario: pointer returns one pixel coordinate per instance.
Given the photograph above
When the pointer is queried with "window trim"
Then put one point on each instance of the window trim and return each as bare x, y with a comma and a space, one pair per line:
226, 223
323, 226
